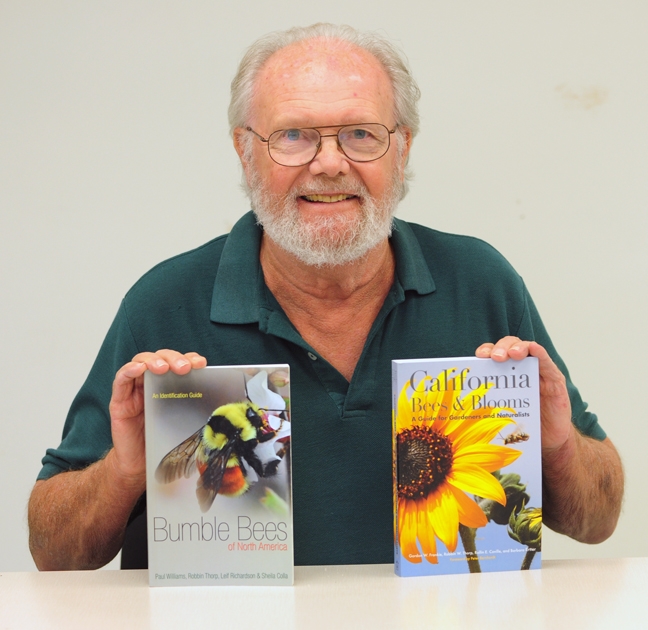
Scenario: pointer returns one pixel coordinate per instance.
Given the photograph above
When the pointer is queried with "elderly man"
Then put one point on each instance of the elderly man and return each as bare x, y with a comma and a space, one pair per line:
323, 278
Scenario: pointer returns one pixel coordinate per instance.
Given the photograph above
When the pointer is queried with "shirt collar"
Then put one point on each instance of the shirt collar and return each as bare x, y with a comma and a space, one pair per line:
235, 299
411, 267
239, 279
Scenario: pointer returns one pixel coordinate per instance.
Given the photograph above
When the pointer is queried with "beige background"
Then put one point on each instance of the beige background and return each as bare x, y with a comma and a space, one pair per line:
114, 155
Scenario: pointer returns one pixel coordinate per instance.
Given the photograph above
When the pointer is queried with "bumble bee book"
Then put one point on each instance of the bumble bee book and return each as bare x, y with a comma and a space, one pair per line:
218, 479
467, 466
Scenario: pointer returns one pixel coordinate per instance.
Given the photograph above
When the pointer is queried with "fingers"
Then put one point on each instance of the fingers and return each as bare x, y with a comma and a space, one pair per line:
555, 407
514, 348
553, 380
127, 404
162, 361
129, 376
124, 382
506, 348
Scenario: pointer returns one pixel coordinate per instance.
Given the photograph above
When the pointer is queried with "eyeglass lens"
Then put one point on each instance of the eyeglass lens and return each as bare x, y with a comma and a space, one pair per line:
360, 143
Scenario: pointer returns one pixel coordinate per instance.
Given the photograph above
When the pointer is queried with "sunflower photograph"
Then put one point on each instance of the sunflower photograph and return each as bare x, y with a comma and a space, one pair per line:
449, 446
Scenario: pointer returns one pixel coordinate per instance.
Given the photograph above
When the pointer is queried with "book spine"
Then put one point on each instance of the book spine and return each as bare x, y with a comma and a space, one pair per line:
397, 554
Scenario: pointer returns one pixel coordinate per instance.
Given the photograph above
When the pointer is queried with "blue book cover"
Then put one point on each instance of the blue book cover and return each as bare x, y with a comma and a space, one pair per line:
467, 466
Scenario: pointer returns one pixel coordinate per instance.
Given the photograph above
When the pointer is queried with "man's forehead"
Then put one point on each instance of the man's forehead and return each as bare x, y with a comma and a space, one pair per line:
322, 70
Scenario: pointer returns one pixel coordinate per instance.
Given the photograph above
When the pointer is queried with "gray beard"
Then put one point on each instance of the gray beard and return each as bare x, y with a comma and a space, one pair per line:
331, 240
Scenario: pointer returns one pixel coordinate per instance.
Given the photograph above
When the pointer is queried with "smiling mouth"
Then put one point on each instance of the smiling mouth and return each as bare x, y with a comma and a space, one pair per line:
327, 198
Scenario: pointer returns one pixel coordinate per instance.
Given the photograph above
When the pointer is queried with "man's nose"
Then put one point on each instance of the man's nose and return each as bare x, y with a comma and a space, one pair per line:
330, 160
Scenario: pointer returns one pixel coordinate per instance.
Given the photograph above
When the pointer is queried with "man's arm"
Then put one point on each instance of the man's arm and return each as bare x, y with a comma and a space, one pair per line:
77, 519
582, 477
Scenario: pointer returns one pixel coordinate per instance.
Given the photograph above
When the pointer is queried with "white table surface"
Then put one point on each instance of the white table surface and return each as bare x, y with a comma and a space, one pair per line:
569, 594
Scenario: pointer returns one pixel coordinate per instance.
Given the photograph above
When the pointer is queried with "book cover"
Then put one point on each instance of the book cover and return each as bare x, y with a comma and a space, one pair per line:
218, 476
467, 465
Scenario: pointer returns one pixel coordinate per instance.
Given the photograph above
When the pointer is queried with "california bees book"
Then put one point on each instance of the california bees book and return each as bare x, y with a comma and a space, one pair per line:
467, 465
218, 476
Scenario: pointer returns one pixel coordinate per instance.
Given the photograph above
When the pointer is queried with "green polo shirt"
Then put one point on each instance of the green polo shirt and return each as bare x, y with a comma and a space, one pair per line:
450, 294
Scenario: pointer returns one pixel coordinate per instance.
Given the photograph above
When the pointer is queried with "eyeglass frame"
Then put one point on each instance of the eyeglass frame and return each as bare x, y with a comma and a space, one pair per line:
328, 135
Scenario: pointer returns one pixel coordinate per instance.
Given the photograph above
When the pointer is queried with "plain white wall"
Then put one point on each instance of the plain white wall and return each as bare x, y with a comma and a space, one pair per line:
114, 154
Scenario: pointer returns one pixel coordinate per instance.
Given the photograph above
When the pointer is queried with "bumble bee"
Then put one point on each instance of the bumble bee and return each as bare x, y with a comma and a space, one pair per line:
221, 451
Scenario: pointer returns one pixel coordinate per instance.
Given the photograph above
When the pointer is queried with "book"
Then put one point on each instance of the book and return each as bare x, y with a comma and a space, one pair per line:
218, 478
466, 466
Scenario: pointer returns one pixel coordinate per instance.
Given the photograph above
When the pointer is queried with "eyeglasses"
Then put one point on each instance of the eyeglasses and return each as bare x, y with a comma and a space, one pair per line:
364, 142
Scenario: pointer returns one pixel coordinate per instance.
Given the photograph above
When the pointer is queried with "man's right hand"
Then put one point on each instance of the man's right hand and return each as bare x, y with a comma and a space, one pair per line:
127, 406
77, 519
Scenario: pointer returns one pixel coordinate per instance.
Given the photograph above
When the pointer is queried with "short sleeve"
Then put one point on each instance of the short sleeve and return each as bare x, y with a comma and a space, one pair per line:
86, 434
531, 327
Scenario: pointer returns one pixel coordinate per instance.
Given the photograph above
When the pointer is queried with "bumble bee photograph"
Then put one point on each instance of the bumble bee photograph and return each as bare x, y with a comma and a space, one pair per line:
218, 476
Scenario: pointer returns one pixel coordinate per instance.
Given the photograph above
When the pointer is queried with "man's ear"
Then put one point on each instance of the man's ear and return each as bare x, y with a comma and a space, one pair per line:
239, 139
407, 137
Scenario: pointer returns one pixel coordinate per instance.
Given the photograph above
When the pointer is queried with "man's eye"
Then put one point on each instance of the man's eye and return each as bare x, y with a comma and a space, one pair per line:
360, 134
292, 134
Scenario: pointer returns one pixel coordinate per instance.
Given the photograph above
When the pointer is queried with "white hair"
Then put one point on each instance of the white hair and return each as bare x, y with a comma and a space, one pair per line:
406, 92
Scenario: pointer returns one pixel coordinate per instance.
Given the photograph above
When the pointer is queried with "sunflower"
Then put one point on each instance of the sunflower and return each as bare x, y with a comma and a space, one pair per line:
441, 457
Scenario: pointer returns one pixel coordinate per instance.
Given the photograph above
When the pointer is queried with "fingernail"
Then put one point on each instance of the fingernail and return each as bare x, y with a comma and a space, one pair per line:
160, 363
182, 362
498, 353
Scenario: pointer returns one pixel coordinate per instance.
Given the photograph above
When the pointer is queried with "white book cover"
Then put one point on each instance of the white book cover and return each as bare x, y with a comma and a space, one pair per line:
218, 476
467, 465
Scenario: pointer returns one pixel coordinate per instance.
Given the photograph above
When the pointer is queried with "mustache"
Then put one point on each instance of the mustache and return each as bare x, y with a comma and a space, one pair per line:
342, 185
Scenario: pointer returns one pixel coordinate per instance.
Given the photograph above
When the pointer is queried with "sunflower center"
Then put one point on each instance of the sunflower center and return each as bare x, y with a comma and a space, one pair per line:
424, 461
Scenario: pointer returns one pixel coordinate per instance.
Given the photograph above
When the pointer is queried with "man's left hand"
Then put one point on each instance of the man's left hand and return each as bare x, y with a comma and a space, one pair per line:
582, 477
555, 407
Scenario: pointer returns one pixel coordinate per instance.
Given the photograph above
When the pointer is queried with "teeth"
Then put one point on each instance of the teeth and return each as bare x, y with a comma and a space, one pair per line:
327, 198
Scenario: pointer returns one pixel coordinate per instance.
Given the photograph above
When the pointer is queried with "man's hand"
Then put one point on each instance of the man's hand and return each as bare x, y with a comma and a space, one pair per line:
77, 519
127, 407
555, 408
582, 477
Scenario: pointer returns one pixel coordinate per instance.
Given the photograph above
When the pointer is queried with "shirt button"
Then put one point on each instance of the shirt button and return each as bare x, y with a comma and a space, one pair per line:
312, 356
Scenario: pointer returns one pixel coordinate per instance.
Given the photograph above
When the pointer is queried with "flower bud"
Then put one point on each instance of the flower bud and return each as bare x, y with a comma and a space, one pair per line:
516, 498
279, 378
525, 526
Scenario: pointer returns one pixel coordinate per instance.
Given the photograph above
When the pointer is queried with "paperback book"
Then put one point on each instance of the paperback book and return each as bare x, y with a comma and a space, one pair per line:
218, 476
467, 466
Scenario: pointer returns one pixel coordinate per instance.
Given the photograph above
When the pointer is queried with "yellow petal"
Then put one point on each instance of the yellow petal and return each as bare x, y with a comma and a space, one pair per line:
490, 457
443, 516
433, 399
403, 414
448, 427
401, 514
480, 431
408, 533
446, 400
479, 428
470, 514
475, 480
425, 533
475, 395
